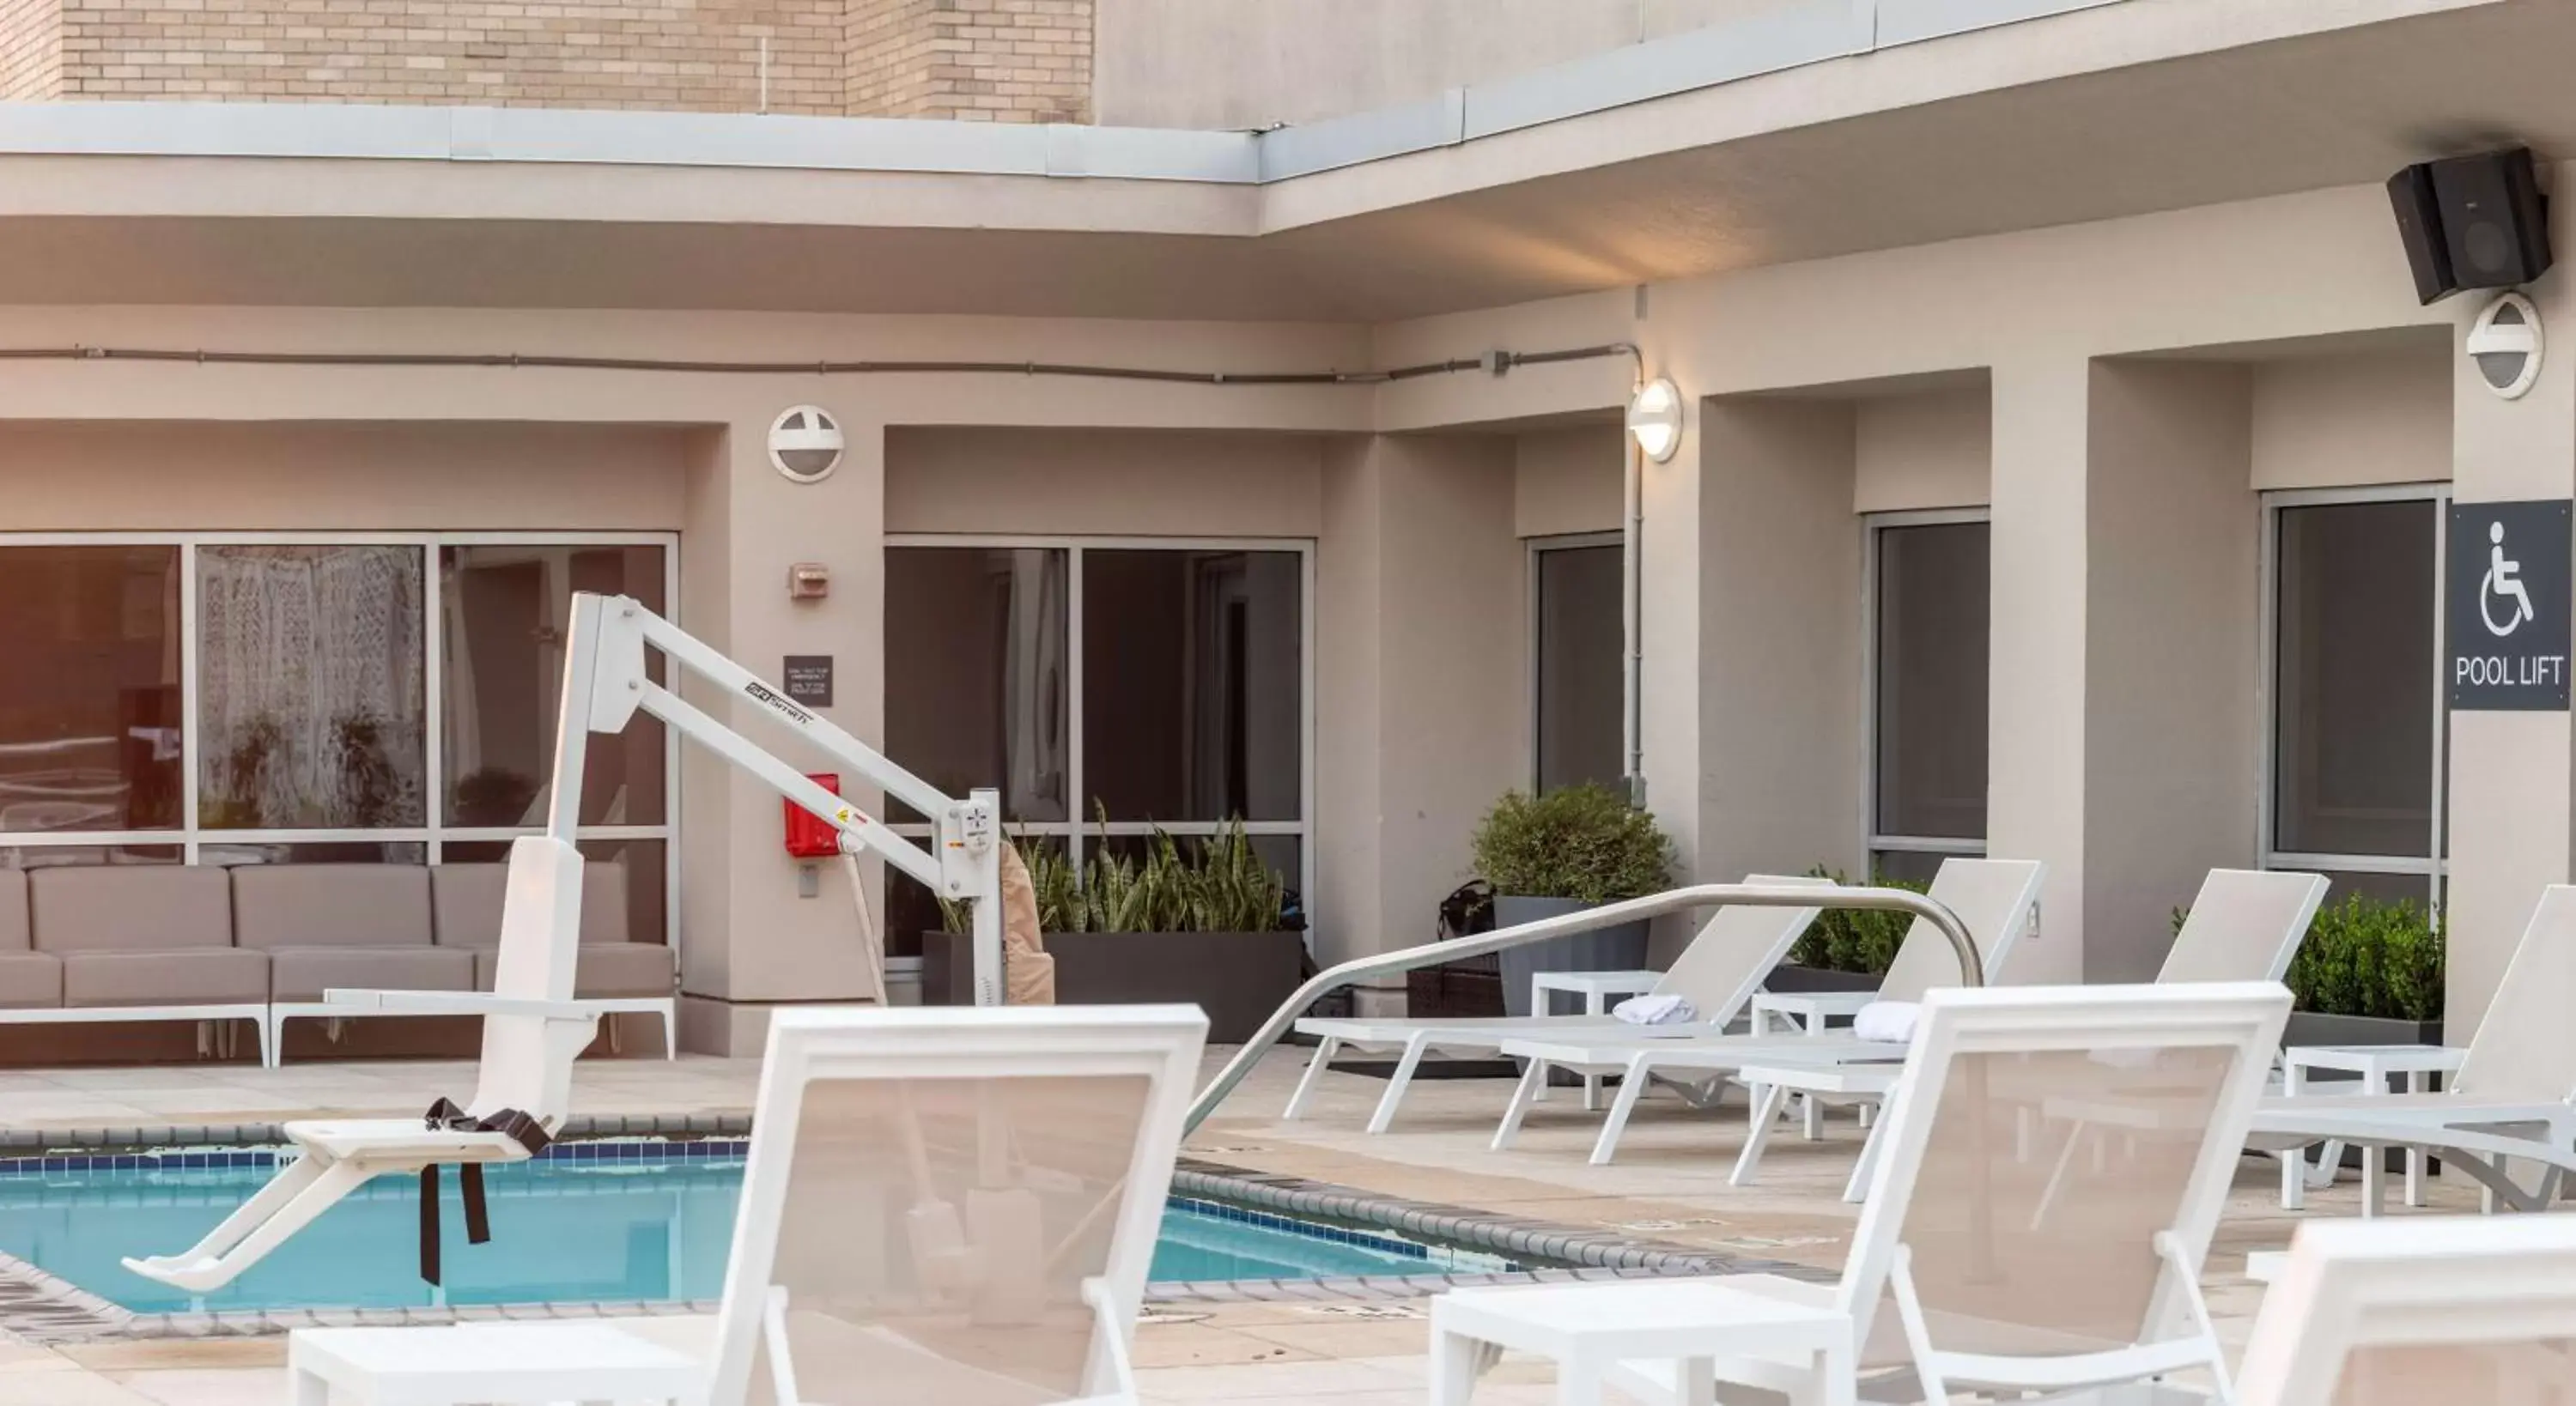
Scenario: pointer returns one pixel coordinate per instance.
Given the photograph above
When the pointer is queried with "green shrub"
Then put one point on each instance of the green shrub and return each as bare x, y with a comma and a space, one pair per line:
1216, 884
1580, 842
2365, 956
1854, 939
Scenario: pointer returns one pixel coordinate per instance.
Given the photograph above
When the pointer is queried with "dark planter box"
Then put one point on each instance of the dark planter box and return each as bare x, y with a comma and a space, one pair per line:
1238, 978
2313, 1028
1622, 948
1789, 980
1473, 987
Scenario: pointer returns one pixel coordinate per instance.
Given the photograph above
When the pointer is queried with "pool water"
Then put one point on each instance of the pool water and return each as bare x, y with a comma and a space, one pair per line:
601, 1222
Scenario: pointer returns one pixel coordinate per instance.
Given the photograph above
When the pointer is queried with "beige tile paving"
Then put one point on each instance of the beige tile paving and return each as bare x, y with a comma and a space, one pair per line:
1669, 1184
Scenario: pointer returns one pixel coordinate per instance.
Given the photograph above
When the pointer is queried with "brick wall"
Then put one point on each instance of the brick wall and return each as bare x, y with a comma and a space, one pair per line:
31, 50
975, 60
990, 60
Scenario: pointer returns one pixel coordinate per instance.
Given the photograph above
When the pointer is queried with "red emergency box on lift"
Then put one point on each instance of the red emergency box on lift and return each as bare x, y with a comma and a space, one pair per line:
810, 836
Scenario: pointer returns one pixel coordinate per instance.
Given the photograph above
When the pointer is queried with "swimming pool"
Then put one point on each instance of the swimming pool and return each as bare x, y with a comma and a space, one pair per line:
605, 1222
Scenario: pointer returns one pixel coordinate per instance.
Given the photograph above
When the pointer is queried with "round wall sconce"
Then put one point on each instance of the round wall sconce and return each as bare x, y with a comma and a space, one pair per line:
1655, 419
805, 444
2505, 344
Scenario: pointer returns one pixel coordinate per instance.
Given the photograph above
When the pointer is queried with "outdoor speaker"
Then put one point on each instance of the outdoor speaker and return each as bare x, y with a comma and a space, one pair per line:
2494, 218
2472, 222
2419, 226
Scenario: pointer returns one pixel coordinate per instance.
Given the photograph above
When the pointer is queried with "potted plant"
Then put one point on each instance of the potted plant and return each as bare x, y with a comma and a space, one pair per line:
1845, 949
1200, 922
2369, 972
1560, 852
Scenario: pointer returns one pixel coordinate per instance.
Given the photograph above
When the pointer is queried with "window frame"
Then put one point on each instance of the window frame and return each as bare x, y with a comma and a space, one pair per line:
1873, 841
2435, 868
1077, 831
1532, 665
190, 837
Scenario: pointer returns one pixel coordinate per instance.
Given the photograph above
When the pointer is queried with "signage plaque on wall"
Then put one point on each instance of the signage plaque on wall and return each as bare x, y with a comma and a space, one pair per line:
2510, 600
809, 679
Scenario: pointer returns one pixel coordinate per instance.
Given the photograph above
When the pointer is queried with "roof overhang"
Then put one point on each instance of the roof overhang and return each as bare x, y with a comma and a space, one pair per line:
1820, 127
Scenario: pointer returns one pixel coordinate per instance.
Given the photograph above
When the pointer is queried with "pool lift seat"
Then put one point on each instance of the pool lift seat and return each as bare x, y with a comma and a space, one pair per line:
532, 1028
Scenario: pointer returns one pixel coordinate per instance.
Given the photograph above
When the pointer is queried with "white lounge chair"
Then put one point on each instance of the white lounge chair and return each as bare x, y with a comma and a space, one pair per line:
949, 1206
532, 1031
1720, 970
1973, 1266
1995, 898
2438, 1308
2509, 1100
2245, 925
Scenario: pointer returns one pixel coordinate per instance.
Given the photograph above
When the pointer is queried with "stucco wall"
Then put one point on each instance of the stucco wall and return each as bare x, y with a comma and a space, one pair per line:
1104, 482
1568, 480
69, 476
2339, 421
1929, 449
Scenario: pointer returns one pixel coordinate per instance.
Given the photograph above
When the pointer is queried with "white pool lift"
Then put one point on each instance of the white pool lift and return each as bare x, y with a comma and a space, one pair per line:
532, 1028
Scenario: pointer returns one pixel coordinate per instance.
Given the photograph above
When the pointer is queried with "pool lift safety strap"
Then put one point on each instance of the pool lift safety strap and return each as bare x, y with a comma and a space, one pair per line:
533, 1026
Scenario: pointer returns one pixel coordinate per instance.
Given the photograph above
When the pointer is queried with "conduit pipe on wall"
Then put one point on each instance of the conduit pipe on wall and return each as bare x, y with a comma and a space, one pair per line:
1632, 516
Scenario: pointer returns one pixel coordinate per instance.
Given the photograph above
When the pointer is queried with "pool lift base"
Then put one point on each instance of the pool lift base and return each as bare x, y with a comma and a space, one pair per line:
532, 1029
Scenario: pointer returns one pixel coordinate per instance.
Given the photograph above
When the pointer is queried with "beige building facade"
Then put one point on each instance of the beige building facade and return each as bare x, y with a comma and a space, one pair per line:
2062, 475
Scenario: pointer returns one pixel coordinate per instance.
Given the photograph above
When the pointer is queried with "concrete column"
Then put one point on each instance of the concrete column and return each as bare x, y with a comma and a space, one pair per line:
2035, 714
2173, 599
1417, 678
2123, 714
749, 941
2510, 790
1780, 743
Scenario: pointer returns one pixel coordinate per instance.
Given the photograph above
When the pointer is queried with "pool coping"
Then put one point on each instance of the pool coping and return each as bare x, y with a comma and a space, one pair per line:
37, 1306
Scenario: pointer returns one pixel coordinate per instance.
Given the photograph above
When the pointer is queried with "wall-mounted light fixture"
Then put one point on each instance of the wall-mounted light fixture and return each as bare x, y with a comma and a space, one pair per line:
1655, 418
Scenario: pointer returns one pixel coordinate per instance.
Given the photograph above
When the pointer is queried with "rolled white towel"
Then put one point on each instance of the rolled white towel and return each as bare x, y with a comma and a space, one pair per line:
1655, 1010
1888, 1022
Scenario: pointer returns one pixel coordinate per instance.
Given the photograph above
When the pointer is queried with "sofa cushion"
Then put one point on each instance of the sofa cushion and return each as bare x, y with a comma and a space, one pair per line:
605, 969
195, 976
331, 905
467, 900
130, 908
304, 973
30, 979
13, 910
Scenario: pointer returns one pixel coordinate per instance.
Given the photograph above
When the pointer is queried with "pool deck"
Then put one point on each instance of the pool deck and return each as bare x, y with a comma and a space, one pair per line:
1668, 1186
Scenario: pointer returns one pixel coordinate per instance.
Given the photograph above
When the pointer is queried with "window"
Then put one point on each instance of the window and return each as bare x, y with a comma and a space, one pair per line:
1121, 685
1926, 594
1577, 633
2352, 750
247, 699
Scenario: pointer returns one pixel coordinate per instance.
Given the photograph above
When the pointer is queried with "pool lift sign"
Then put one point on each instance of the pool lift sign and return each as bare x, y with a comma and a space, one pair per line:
2510, 602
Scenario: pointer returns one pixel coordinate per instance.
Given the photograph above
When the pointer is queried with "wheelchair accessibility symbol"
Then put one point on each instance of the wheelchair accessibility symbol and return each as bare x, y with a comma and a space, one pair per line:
2503, 581
2507, 604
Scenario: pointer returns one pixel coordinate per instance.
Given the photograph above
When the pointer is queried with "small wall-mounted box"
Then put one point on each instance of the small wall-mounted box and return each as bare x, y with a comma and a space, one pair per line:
809, 580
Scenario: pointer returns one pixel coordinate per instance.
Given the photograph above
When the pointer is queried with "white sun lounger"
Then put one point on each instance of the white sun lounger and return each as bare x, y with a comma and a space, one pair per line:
1995, 898
2508, 1102
1972, 1266
949, 1205
1720, 970
2436, 1308
2245, 925
532, 1030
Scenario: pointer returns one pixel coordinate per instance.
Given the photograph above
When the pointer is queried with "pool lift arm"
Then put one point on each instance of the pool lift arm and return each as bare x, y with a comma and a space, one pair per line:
608, 640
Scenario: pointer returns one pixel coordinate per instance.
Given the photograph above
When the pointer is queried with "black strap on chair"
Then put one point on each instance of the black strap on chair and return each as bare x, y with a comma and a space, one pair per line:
444, 1116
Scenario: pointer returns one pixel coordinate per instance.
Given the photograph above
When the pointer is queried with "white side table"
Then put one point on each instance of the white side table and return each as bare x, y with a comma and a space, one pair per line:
1588, 1329
1812, 1012
1596, 989
1771, 1084
502, 1364
2377, 1065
